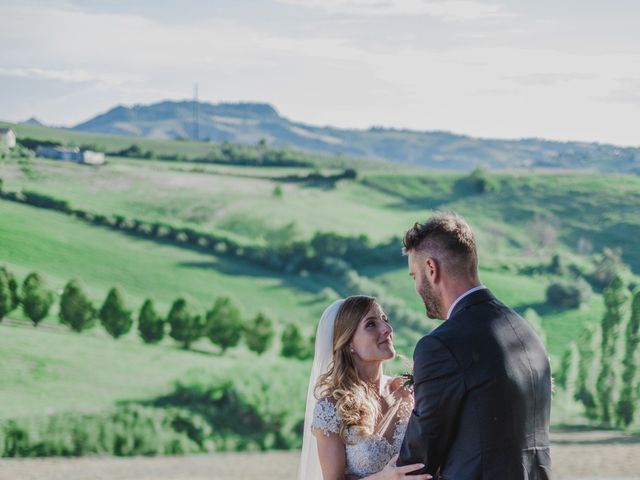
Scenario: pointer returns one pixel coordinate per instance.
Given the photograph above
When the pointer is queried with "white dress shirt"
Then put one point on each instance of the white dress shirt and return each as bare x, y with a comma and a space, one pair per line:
468, 292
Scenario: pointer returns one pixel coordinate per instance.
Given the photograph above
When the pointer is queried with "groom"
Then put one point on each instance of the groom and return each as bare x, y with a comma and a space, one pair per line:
482, 382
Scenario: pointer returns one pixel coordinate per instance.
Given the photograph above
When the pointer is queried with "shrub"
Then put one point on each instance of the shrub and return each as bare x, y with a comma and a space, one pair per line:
127, 430
568, 294
478, 181
150, 324
76, 310
36, 299
114, 316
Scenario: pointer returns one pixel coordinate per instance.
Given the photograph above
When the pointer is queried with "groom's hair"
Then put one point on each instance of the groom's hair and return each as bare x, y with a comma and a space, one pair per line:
448, 238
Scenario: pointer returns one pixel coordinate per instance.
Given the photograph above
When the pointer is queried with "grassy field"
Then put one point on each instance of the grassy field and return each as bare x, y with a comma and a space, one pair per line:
62, 248
49, 370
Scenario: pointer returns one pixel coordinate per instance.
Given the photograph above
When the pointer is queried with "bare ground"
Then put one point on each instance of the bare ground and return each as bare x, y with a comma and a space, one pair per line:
585, 455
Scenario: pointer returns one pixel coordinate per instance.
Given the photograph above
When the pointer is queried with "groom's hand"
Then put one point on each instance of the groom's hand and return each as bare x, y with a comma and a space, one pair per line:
393, 472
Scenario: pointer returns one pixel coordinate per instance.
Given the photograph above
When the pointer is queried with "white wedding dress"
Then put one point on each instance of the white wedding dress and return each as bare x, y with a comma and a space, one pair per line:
364, 456
368, 455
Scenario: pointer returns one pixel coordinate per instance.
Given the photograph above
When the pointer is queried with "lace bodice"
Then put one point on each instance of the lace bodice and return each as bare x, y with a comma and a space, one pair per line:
366, 455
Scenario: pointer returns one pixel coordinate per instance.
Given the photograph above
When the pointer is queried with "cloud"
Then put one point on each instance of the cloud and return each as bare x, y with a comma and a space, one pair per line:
70, 76
627, 92
550, 79
455, 10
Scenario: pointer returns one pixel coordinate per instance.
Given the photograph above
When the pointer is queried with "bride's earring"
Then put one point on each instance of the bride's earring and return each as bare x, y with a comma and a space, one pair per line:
352, 350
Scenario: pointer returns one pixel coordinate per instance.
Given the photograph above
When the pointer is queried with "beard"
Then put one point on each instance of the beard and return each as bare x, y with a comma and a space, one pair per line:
431, 301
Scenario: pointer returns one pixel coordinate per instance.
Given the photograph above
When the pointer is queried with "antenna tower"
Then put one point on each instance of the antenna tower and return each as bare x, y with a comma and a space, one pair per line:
196, 112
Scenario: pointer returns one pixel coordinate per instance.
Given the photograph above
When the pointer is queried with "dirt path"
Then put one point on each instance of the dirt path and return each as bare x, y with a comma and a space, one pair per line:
588, 455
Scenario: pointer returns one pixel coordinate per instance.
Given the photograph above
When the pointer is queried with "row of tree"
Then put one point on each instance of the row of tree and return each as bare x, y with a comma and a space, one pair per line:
283, 253
223, 324
601, 369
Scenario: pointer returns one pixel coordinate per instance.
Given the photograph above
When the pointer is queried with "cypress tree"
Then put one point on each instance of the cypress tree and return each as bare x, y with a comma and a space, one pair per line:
150, 324
224, 323
76, 310
13, 288
614, 298
293, 344
570, 370
9, 297
589, 346
259, 334
5, 294
114, 316
628, 404
36, 299
187, 326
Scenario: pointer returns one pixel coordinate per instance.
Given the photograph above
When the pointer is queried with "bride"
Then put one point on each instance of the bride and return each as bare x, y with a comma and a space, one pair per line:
356, 416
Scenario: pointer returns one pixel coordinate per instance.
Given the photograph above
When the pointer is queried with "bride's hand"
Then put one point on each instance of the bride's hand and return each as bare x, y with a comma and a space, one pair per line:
393, 472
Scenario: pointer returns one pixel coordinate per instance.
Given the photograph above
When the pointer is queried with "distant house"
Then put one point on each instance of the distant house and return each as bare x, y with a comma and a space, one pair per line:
7, 137
73, 154
90, 157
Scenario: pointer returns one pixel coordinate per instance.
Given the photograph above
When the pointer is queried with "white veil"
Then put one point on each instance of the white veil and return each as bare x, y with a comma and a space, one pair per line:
309, 461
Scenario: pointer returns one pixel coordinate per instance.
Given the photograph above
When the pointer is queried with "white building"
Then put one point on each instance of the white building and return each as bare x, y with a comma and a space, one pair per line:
7, 137
73, 154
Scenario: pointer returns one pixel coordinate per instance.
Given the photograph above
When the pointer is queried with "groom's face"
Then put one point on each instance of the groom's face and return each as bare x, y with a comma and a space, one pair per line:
425, 287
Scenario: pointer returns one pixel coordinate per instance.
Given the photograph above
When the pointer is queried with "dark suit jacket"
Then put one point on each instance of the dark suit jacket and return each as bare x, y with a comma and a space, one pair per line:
483, 391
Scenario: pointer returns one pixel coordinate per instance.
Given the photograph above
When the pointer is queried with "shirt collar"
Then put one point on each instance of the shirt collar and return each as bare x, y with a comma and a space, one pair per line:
468, 292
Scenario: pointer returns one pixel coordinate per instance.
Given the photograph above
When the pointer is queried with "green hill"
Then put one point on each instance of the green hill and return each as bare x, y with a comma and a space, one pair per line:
522, 221
248, 123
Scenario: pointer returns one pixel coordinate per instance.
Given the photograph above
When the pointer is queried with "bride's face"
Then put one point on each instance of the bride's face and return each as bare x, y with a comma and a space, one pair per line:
373, 339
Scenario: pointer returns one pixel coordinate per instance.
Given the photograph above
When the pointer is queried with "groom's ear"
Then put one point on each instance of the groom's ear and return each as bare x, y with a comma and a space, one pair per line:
432, 268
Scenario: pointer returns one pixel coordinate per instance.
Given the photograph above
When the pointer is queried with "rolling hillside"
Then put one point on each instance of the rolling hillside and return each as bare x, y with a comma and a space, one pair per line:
521, 220
248, 123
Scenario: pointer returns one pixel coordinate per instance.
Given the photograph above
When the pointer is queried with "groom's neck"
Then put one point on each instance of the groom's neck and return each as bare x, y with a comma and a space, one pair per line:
455, 288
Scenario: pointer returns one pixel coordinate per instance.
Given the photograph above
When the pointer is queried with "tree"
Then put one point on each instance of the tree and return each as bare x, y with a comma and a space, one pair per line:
11, 289
76, 310
293, 343
5, 294
259, 334
614, 298
224, 323
114, 316
629, 397
186, 325
589, 346
36, 298
570, 370
150, 324
607, 265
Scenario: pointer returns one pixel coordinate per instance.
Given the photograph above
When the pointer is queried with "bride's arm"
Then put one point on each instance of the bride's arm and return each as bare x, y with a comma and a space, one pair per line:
332, 456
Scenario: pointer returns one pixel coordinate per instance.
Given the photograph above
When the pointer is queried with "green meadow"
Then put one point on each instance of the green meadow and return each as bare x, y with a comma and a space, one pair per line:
521, 221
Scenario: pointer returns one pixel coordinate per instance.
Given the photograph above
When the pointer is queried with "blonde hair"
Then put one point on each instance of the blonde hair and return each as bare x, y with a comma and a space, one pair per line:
354, 399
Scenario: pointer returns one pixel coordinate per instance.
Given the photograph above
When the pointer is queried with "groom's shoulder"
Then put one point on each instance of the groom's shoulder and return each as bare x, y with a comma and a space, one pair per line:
433, 340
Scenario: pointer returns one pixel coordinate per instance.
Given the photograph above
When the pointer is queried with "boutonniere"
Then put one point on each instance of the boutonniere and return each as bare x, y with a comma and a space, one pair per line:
408, 380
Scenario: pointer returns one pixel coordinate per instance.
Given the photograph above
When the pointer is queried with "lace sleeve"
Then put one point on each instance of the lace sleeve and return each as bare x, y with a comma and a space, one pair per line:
325, 417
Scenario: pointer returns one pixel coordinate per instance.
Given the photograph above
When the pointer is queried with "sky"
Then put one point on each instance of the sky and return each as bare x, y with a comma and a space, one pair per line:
561, 70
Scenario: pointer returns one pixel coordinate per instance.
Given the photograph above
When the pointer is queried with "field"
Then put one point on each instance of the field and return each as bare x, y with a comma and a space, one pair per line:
521, 220
576, 455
